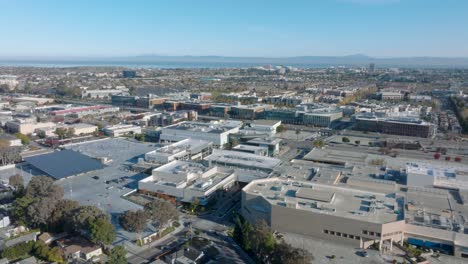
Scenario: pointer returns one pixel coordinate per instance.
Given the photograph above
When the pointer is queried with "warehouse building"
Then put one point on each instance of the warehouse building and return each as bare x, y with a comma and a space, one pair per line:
64, 164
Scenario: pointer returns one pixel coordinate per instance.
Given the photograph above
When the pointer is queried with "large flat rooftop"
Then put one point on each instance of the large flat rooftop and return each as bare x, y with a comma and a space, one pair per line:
215, 128
242, 159
325, 199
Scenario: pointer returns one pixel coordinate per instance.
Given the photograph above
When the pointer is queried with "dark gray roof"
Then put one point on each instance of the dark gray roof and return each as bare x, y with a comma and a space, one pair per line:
65, 163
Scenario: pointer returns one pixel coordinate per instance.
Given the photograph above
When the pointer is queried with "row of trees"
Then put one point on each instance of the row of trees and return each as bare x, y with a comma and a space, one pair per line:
41, 205
36, 248
160, 212
259, 242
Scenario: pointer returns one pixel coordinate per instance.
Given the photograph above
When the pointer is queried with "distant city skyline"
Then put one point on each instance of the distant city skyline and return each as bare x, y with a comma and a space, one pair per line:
376, 28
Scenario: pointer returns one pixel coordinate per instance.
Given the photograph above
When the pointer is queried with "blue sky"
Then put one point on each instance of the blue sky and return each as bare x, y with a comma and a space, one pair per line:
381, 28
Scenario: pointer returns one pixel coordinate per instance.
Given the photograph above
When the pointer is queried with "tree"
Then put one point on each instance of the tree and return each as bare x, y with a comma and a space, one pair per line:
70, 132
43, 186
319, 143
117, 255
79, 219
9, 154
280, 129
19, 209
16, 181
357, 142
298, 131
134, 221
41, 210
286, 254
437, 156
24, 139
61, 214
61, 132
102, 231
161, 212
263, 241
458, 159
447, 158
345, 139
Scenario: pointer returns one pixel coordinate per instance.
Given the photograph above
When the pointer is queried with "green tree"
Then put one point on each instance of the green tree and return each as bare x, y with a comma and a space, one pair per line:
102, 231
319, 143
280, 129
24, 139
117, 255
357, 142
19, 209
61, 132
345, 139
70, 132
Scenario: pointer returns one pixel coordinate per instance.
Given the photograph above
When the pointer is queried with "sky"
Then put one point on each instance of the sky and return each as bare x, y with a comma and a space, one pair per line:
260, 28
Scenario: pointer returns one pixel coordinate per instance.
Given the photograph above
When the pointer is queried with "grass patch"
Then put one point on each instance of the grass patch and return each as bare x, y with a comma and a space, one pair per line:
166, 231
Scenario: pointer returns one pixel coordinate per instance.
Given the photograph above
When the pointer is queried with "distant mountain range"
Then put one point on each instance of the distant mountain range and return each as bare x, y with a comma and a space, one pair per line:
305, 61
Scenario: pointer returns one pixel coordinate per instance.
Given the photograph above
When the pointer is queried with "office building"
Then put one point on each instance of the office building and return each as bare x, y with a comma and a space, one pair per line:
120, 130
242, 160
186, 149
354, 217
403, 126
215, 132
187, 182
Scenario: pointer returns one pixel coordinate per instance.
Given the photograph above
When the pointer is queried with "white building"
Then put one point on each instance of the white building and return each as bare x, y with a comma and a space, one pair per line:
187, 149
187, 181
215, 132
120, 130
242, 160
267, 127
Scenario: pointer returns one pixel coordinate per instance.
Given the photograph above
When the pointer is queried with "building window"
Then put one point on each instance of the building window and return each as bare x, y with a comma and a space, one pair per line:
371, 233
377, 234
364, 232
332, 233
338, 233
351, 236
357, 237
325, 231
345, 235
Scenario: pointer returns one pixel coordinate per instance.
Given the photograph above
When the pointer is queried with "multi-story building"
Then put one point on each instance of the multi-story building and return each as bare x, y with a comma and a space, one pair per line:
120, 130
250, 112
355, 217
316, 117
216, 132
403, 126
236, 159
187, 149
187, 182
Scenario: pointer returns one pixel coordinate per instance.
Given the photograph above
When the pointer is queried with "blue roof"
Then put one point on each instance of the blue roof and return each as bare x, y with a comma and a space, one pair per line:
65, 163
